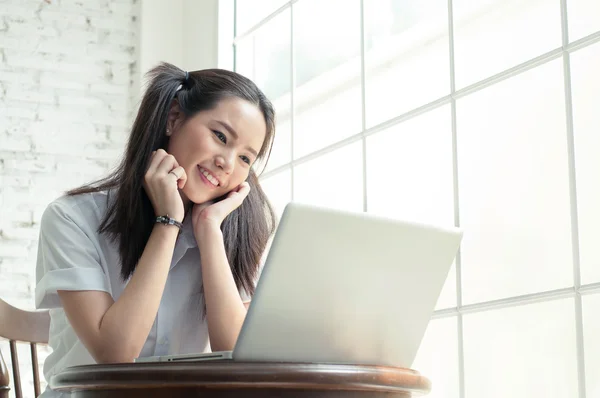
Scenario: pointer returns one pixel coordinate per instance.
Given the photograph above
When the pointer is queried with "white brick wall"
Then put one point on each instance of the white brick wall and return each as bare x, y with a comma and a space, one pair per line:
68, 82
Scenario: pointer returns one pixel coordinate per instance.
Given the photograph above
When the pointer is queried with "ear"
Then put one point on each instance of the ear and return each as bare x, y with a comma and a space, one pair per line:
174, 118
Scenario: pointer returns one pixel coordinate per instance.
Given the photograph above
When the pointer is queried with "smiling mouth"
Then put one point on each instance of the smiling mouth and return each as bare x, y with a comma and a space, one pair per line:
209, 177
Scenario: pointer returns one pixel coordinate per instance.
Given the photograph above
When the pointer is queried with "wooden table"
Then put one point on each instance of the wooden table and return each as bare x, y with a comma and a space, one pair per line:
221, 379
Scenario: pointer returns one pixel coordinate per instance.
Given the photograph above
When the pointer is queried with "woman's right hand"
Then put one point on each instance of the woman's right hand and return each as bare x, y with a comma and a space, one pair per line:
162, 182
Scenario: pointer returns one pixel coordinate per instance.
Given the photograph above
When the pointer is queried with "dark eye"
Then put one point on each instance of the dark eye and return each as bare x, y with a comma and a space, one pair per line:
246, 159
220, 136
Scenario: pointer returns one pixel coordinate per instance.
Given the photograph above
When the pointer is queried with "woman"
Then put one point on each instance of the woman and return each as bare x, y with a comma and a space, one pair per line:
161, 256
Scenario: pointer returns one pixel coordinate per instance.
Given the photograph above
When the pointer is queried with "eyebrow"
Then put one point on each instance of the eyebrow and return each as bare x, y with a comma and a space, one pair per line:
235, 135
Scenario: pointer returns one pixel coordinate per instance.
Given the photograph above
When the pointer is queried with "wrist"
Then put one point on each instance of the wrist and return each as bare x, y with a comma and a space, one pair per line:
167, 220
209, 226
175, 216
168, 232
208, 229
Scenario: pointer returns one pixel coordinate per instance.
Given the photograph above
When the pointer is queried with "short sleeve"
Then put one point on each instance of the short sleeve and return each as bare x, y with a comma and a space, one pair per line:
68, 255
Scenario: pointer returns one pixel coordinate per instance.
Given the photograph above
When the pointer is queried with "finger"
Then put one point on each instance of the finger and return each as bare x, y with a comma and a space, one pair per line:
167, 164
182, 179
177, 172
235, 198
155, 160
245, 185
180, 175
232, 202
243, 189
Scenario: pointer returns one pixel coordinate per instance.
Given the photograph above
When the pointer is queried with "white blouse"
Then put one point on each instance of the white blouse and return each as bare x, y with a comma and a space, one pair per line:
72, 255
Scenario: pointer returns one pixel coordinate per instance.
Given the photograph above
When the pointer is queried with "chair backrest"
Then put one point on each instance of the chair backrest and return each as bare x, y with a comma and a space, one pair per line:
27, 326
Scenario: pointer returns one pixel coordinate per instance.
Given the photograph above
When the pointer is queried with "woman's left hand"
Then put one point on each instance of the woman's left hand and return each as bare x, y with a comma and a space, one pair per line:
211, 214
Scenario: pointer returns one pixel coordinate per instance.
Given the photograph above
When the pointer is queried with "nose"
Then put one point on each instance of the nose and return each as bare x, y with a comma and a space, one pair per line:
225, 161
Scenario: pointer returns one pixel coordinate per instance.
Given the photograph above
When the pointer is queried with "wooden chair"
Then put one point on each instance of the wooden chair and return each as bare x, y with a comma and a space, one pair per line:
26, 326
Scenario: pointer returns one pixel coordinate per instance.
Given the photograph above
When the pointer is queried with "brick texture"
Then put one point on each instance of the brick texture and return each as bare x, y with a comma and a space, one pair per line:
68, 85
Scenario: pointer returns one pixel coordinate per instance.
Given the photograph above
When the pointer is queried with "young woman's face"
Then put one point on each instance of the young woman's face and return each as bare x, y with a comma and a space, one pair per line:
216, 147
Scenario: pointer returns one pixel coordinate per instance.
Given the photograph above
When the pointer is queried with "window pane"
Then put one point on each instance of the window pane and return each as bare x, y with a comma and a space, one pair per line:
514, 188
422, 186
493, 35
437, 358
418, 154
327, 62
244, 57
318, 47
584, 18
250, 12
591, 341
585, 65
264, 57
333, 180
406, 60
278, 189
327, 120
521, 352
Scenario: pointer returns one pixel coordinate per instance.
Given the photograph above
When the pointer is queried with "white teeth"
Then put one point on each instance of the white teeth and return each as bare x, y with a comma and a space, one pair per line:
210, 178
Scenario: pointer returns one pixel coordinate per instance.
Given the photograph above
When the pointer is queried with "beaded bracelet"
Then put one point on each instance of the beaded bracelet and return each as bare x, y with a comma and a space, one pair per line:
166, 220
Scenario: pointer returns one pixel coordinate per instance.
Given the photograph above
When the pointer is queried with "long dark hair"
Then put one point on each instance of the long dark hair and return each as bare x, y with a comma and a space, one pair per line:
130, 216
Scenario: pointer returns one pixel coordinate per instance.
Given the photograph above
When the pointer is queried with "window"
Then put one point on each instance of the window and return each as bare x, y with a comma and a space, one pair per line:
479, 114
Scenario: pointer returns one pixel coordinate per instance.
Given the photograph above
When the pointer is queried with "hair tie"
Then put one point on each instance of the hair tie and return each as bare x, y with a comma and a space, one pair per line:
187, 76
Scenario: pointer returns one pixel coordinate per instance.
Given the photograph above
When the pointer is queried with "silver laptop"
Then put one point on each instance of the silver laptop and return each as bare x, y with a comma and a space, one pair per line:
343, 287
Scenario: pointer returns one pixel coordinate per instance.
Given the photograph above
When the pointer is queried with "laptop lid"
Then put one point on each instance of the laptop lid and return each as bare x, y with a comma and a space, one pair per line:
343, 287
